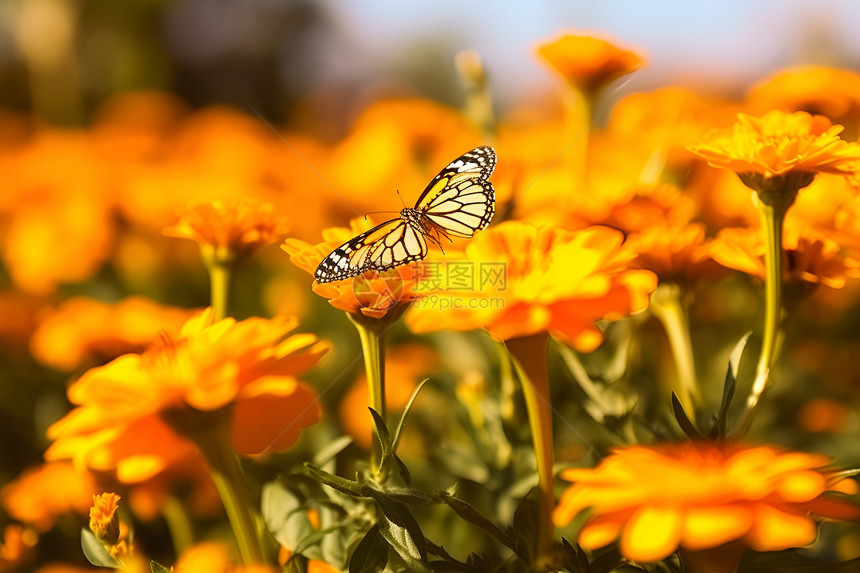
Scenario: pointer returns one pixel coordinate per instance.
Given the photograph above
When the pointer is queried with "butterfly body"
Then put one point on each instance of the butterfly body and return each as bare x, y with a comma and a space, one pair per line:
458, 202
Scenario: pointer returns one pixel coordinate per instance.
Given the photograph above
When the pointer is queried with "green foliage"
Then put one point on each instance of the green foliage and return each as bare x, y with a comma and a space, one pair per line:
95, 551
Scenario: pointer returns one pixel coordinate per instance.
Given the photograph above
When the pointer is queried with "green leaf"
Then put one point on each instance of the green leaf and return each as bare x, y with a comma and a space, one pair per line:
399, 428
720, 426
341, 484
526, 528
95, 551
683, 420
383, 436
330, 451
411, 497
402, 470
473, 516
156, 567
371, 554
400, 530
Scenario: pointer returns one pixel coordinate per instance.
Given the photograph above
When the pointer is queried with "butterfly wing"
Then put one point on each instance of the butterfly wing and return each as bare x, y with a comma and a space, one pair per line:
460, 199
385, 246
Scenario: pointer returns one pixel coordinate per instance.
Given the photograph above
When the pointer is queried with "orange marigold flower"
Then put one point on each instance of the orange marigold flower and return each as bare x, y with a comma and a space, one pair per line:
588, 61
42, 494
545, 280
242, 373
702, 495
675, 253
104, 522
781, 144
374, 295
807, 257
85, 331
831, 92
229, 230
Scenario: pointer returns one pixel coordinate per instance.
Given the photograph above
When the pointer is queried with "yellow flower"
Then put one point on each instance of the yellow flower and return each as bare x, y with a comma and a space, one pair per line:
131, 411
87, 332
588, 61
544, 279
104, 522
702, 495
42, 494
781, 144
229, 230
373, 295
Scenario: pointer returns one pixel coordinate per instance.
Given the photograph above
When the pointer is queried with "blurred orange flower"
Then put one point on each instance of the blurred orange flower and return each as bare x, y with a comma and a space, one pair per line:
404, 367
16, 547
87, 332
703, 495
546, 280
676, 254
588, 61
373, 295
130, 410
807, 257
43, 493
211, 557
832, 92
779, 144
229, 230
62, 220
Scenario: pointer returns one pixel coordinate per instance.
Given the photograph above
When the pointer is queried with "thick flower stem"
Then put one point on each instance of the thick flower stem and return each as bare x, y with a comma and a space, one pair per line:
178, 524
372, 335
668, 307
772, 217
219, 285
579, 111
231, 486
529, 353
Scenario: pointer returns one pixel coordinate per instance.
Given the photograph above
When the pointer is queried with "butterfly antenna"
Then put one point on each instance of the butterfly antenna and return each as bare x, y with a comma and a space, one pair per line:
401, 198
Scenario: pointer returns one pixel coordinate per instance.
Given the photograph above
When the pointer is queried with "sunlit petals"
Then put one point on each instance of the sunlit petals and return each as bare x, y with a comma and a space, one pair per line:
781, 143
701, 495
588, 61
42, 494
128, 410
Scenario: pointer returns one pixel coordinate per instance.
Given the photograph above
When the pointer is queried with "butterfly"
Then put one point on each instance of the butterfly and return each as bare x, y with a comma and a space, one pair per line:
458, 202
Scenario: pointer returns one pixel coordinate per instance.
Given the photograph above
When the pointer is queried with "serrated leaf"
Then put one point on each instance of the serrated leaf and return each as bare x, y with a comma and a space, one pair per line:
95, 551
383, 436
400, 530
371, 554
683, 420
476, 518
331, 450
399, 428
156, 567
402, 470
411, 497
341, 484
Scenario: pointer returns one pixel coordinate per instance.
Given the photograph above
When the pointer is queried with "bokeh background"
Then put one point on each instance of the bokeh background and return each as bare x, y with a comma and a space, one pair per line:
115, 114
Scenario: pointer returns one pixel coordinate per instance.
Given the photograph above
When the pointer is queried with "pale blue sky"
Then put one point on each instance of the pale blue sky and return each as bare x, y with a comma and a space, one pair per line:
708, 43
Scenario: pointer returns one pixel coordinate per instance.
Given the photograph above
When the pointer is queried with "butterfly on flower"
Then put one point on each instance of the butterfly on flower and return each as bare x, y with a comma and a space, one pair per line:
458, 202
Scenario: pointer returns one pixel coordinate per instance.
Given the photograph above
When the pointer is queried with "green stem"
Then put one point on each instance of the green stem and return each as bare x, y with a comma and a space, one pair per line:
668, 307
231, 486
372, 335
178, 524
219, 279
772, 217
529, 355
